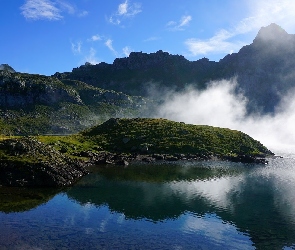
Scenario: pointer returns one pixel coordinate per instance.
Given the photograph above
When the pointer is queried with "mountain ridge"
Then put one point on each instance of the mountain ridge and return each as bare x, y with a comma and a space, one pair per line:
263, 70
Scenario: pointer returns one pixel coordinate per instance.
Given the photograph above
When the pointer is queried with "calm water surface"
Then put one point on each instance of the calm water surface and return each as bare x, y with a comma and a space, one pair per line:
210, 205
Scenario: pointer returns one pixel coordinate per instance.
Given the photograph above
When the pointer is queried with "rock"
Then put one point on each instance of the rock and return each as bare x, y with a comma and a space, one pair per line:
122, 163
28, 162
158, 156
246, 159
126, 139
171, 158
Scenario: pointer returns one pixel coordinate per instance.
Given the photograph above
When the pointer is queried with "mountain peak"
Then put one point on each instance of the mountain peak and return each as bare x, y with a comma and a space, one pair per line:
272, 32
6, 67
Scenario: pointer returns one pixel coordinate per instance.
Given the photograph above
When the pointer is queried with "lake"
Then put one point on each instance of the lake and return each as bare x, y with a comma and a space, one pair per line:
198, 205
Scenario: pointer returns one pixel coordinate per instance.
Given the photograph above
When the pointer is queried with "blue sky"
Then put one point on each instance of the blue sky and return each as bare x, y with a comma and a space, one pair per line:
46, 36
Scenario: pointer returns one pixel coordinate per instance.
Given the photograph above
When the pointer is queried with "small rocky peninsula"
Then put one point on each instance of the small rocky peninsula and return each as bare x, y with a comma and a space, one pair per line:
28, 162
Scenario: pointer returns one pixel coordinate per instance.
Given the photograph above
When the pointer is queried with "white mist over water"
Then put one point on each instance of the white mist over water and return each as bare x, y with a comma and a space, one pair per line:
219, 106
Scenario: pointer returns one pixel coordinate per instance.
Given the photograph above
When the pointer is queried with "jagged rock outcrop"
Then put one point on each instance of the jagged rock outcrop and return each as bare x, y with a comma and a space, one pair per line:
6, 67
28, 162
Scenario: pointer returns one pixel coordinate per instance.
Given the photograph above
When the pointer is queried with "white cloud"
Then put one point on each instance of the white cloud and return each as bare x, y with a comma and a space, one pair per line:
109, 44
48, 9
95, 38
66, 6
125, 10
153, 38
83, 13
175, 26
217, 43
126, 51
229, 110
76, 47
261, 13
91, 57
41, 9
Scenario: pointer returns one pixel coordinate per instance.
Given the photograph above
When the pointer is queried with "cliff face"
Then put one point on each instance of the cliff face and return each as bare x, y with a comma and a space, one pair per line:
264, 70
134, 74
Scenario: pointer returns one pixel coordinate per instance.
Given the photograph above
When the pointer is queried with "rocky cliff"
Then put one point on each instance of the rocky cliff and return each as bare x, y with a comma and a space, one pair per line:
264, 70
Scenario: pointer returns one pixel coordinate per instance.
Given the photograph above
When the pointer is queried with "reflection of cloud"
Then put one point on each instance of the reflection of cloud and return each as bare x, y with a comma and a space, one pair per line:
216, 191
215, 230
281, 174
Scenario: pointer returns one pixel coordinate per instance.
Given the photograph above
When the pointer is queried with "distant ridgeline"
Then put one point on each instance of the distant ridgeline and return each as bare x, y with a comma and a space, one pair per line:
264, 70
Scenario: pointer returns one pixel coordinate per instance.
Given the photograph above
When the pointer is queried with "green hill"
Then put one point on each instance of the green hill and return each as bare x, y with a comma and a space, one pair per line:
146, 135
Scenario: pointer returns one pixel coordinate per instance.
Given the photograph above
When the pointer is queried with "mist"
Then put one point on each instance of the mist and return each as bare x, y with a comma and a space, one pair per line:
220, 106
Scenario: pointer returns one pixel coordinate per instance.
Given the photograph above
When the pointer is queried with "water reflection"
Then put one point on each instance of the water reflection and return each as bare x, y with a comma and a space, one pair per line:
16, 199
253, 198
212, 205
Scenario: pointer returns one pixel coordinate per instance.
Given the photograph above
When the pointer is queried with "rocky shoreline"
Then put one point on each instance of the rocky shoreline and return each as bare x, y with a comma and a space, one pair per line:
26, 162
103, 158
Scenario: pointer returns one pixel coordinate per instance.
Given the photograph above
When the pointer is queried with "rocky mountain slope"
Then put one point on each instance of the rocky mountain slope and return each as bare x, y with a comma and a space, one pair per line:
264, 71
32, 104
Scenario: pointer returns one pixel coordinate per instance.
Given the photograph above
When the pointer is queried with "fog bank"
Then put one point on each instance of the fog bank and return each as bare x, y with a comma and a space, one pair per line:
220, 106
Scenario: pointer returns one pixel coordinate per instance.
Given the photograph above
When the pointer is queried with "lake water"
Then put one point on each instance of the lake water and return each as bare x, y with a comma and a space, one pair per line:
209, 205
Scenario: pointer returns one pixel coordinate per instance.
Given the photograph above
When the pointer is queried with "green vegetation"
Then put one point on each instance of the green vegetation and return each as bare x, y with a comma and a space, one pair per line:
162, 136
35, 104
147, 136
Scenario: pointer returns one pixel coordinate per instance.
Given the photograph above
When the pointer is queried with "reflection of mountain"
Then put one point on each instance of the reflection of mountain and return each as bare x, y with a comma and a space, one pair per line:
248, 200
14, 199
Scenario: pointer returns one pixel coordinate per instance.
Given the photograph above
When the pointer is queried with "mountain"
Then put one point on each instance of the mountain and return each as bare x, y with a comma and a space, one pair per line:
136, 73
32, 104
264, 71
72, 101
6, 67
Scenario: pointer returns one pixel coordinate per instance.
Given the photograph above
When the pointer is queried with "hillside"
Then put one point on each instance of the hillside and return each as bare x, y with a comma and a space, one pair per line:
161, 136
33, 104
264, 70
